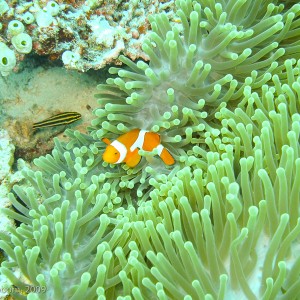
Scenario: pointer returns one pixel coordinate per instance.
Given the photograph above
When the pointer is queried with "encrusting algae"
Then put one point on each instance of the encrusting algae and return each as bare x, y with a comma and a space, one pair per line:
222, 90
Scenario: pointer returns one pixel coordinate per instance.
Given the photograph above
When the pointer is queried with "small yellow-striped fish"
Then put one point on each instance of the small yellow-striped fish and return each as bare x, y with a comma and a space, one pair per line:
59, 119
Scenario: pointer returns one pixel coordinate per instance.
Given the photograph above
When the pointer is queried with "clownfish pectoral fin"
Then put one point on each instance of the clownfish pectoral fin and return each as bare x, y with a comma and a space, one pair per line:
106, 141
133, 159
166, 157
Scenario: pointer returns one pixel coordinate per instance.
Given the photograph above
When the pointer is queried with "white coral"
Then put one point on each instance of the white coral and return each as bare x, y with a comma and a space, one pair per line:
6, 154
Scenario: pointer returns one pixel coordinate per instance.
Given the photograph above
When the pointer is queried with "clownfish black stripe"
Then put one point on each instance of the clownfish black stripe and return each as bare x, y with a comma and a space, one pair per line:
59, 119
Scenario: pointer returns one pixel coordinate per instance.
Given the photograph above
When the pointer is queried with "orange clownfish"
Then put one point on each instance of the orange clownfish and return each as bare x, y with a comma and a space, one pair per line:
125, 148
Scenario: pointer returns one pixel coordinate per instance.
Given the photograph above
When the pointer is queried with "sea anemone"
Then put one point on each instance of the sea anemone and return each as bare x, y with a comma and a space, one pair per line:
222, 88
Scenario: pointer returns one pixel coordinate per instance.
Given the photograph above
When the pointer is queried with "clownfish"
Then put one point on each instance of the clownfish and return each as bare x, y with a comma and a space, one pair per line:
125, 148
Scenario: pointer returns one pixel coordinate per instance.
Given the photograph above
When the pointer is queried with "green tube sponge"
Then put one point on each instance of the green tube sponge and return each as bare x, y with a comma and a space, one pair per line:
43, 19
3, 7
22, 42
15, 27
7, 59
69, 57
53, 8
28, 17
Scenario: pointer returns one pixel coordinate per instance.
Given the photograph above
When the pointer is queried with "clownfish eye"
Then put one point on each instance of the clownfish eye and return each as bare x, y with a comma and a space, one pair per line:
115, 153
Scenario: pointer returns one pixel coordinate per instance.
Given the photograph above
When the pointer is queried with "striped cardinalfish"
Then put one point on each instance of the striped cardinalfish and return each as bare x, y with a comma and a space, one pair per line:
59, 119
125, 148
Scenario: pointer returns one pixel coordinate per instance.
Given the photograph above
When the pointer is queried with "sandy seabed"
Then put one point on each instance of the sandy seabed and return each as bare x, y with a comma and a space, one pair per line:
35, 94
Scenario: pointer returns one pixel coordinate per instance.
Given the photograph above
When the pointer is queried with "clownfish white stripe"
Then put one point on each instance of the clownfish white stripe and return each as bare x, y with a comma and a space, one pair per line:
122, 150
139, 141
159, 148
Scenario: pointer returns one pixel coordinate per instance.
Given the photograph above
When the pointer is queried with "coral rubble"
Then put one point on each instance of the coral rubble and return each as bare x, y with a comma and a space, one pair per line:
85, 35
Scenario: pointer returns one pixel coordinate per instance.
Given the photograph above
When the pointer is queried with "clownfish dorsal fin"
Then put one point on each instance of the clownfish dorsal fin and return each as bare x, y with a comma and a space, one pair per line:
106, 141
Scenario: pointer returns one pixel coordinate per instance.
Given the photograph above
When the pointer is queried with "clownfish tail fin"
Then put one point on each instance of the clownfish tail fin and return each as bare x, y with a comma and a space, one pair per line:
165, 155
